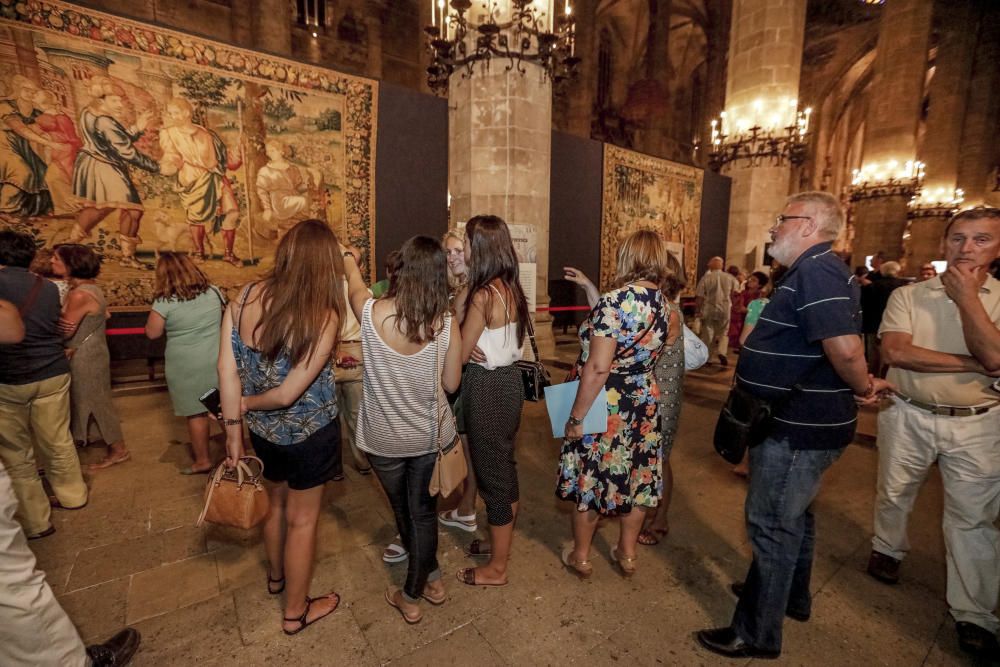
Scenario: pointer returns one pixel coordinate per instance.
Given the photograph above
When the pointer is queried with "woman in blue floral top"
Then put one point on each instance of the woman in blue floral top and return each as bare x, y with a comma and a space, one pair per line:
275, 370
618, 472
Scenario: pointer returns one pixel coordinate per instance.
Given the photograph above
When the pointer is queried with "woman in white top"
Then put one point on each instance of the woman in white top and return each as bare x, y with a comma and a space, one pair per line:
408, 342
494, 314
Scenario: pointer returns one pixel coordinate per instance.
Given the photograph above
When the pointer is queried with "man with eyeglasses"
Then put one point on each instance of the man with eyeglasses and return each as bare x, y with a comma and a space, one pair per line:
941, 338
804, 357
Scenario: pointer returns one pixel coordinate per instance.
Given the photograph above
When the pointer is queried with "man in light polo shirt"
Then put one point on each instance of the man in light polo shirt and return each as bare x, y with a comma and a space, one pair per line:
941, 338
714, 300
806, 357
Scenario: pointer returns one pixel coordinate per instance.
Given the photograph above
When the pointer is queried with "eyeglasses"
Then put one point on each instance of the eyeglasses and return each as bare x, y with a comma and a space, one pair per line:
781, 218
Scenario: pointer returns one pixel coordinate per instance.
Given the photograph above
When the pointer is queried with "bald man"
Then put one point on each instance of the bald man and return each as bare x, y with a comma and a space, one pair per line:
714, 298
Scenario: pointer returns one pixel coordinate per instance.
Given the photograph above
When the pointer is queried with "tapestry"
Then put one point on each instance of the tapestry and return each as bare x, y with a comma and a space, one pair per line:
136, 140
644, 192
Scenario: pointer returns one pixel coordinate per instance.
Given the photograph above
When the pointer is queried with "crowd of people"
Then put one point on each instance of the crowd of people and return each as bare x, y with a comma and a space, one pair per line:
308, 357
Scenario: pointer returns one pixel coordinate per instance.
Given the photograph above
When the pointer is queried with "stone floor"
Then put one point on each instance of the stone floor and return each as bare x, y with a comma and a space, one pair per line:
133, 556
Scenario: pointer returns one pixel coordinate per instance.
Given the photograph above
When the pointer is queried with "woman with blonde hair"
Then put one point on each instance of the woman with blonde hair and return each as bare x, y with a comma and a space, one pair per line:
189, 310
278, 339
618, 473
463, 516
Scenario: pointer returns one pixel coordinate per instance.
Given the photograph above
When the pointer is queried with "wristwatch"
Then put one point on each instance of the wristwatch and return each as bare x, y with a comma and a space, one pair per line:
573, 421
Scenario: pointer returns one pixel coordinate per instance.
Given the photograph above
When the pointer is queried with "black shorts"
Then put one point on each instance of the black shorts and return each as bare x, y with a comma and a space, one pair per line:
304, 465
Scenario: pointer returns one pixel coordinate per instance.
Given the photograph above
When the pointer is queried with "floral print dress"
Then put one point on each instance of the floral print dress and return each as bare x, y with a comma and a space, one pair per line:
615, 471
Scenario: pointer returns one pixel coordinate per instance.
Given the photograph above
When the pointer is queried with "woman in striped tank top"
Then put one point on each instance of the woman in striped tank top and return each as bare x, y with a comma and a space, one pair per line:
408, 341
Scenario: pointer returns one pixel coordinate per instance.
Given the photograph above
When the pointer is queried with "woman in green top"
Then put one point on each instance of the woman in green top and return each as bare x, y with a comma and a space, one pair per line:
189, 310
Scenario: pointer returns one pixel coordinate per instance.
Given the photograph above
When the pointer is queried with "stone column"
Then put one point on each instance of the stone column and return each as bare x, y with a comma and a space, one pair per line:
765, 58
949, 91
893, 115
374, 18
499, 147
978, 152
271, 26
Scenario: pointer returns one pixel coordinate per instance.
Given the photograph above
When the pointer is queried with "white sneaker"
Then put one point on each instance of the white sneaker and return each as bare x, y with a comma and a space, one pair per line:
453, 519
395, 553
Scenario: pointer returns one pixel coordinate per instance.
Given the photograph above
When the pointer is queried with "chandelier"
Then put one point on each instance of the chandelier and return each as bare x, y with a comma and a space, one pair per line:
519, 31
889, 180
757, 136
939, 203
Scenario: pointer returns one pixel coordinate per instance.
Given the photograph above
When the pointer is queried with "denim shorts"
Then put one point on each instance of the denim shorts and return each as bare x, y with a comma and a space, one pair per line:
304, 465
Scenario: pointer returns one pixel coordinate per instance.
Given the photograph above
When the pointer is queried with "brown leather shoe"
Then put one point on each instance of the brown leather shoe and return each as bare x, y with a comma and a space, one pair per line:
883, 568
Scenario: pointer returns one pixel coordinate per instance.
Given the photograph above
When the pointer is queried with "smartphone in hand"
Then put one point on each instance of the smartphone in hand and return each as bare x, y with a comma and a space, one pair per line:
212, 401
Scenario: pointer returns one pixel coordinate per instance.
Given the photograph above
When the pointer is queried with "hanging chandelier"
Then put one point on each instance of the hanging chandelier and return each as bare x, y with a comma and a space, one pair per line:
892, 179
939, 203
518, 31
764, 132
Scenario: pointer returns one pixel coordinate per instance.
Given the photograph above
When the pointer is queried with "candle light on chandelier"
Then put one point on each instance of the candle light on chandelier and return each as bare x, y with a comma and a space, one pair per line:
530, 31
889, 179
936, 202
775, 131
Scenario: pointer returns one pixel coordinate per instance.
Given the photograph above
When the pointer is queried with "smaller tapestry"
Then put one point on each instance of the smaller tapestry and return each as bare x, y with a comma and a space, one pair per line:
644, 192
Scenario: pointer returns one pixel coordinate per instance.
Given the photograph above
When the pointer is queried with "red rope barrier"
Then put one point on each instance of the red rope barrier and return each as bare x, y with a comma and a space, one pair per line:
126, 331
560, 309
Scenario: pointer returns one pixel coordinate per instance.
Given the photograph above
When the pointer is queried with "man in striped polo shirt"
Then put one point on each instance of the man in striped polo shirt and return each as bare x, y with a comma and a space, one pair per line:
941, 338
805, 356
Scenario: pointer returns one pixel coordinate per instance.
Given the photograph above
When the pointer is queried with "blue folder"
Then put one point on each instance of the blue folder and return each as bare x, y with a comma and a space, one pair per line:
559, 400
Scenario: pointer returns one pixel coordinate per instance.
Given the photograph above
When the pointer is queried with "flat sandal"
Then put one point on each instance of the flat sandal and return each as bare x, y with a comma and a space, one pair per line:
270, 581
301, 620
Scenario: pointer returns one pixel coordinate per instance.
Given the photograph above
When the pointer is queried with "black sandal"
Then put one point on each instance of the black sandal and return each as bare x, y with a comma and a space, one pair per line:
270, 581
301, 620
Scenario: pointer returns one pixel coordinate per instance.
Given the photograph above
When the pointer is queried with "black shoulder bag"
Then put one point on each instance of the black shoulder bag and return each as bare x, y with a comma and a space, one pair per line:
746, 419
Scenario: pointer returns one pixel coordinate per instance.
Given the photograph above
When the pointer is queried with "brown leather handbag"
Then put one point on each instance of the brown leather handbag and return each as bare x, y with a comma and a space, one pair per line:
235, 497
450, 468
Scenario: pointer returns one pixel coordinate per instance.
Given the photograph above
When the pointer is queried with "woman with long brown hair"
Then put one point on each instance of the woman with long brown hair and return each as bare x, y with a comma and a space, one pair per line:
618, 473
84, 324
411, 348
189, 310
275, 371
494, 316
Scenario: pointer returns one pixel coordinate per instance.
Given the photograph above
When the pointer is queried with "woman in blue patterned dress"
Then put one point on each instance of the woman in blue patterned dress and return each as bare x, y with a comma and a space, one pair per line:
274, 369
618, 472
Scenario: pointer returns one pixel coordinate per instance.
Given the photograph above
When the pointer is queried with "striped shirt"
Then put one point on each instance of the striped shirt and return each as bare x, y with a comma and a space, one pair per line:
783, 357
399, 411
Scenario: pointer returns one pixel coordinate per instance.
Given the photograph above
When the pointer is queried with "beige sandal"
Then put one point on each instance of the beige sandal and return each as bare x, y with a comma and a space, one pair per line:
625, 563
581, 568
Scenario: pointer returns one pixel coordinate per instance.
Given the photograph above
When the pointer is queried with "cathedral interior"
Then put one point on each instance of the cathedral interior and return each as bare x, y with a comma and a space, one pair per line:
892, 106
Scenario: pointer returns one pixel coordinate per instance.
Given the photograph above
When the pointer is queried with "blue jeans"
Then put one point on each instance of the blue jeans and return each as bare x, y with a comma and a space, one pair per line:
406, 481
782, 532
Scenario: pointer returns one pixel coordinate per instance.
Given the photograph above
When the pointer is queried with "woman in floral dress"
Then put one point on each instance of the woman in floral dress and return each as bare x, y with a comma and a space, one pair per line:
619, 472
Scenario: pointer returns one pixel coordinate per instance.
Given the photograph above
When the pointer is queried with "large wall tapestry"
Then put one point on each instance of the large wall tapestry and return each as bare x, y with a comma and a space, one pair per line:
137, 140
644, 192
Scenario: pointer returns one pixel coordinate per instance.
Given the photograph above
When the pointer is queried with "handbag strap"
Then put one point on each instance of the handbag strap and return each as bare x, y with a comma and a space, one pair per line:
438, 369
529, 325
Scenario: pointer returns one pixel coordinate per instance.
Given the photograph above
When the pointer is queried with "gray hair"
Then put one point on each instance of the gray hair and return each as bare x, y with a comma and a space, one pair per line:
829, 214
890, 268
